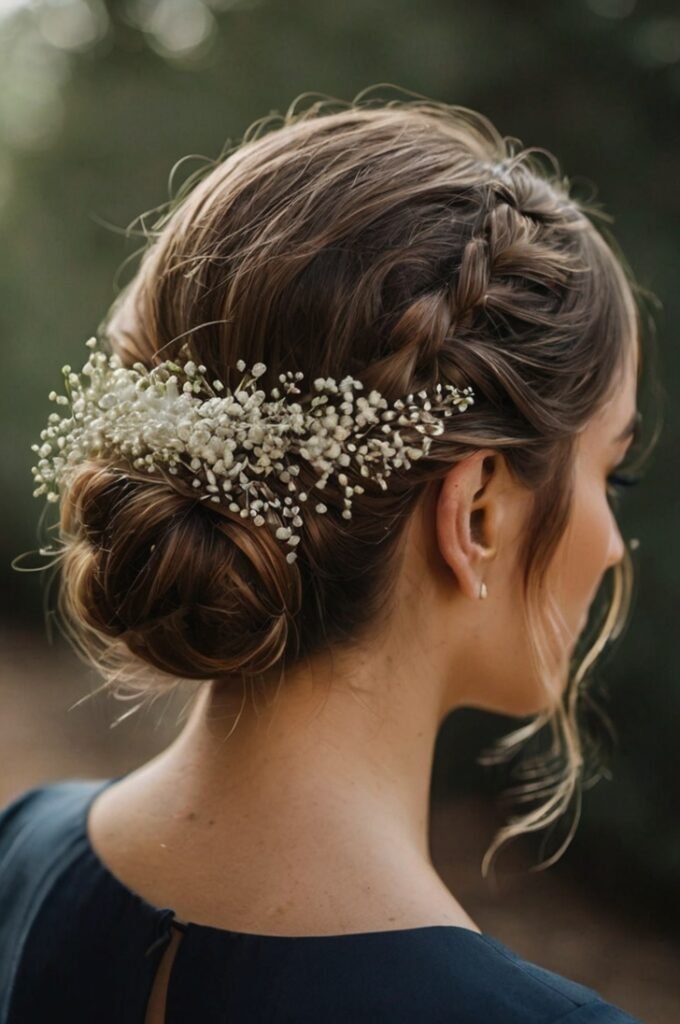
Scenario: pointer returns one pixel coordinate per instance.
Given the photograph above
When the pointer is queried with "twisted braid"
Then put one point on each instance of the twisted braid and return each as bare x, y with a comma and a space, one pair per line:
508, 278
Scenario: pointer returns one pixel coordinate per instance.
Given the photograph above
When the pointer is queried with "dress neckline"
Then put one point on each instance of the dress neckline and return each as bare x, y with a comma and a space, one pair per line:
168, 912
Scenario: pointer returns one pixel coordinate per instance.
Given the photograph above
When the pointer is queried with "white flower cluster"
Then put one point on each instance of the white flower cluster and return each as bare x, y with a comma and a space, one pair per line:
231, 443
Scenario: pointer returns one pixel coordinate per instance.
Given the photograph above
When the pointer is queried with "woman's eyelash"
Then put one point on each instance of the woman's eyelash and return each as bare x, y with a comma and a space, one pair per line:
618, 483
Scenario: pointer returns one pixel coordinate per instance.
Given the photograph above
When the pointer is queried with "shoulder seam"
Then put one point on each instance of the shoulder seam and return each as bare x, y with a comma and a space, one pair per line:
622, 1017
520, 967
577, 1009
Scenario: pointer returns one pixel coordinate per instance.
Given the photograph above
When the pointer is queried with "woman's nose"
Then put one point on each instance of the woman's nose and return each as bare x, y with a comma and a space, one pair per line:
616, 546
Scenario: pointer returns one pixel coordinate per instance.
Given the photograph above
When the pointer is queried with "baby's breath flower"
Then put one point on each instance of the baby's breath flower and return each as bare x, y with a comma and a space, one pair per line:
229, 445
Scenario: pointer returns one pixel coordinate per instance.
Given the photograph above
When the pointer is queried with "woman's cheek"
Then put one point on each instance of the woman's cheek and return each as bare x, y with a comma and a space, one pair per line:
593, 525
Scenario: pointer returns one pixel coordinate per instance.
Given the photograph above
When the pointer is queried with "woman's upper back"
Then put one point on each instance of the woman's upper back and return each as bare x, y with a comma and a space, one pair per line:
76, 944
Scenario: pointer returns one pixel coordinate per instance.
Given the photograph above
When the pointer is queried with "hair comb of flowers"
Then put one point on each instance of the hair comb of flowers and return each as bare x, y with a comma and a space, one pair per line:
230, 443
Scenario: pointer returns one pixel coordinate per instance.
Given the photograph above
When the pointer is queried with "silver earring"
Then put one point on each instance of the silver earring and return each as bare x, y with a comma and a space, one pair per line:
483, 592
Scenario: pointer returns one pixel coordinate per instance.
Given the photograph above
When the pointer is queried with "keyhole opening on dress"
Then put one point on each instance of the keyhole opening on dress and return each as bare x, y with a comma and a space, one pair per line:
156, 1006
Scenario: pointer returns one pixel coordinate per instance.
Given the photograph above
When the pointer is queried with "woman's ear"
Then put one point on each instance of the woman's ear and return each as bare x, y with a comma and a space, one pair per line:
468, 516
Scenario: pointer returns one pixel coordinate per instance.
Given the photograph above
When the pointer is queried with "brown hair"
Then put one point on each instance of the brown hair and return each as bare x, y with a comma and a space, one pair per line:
405, 244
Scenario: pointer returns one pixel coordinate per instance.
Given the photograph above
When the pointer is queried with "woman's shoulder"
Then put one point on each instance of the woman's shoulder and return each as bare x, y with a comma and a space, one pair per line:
531, 989
41, 813
39, 834
444, 973
36, 831
438, 973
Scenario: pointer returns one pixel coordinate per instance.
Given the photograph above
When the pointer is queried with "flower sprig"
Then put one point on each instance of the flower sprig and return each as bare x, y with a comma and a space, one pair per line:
231, 443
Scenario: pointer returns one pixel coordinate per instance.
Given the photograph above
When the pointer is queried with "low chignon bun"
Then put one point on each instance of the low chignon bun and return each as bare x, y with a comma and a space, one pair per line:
189, 591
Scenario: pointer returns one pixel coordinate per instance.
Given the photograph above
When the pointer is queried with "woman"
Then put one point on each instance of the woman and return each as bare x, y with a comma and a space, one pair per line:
272, 863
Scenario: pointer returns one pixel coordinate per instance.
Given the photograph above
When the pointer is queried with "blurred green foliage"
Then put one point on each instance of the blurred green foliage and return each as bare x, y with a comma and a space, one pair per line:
97, 104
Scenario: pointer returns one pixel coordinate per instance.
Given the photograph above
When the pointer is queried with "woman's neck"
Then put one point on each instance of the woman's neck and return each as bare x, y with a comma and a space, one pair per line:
312, 814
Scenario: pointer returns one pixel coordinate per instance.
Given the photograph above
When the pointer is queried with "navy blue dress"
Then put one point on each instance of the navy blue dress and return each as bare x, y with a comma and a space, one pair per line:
78, 946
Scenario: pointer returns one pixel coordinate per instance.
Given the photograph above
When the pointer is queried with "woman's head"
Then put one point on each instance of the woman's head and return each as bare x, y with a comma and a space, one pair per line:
405, 245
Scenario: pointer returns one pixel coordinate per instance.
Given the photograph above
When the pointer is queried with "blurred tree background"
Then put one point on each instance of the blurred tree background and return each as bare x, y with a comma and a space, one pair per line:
99, 101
